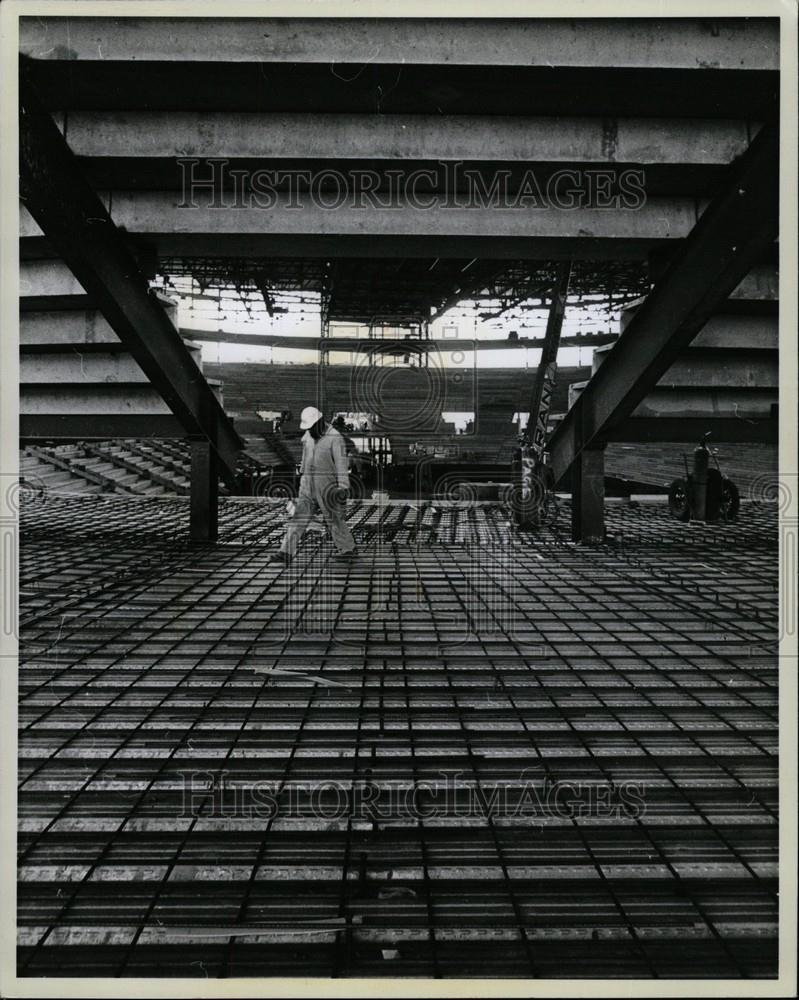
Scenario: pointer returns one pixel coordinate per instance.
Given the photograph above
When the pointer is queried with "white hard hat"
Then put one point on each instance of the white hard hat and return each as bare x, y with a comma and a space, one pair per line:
309, 416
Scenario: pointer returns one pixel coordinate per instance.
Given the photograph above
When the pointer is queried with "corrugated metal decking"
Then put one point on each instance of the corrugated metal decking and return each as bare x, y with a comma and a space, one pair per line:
525, 665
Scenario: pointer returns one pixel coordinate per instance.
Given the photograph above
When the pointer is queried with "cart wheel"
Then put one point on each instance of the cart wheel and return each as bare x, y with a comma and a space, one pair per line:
678, 500
730, 502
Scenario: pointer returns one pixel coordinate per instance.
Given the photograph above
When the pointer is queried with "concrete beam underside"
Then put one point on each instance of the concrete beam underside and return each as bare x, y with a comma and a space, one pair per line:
672, 43
131, 135
219, 214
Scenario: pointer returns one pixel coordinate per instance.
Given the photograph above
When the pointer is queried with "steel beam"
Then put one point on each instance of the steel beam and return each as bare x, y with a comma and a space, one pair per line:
732, 235
75, 220
588, 496
204, 520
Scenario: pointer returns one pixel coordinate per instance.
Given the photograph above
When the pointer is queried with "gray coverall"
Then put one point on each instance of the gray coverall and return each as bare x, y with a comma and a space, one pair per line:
323, 468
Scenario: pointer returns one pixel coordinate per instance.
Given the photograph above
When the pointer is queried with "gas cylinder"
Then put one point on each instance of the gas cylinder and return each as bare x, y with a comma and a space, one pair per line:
699, 481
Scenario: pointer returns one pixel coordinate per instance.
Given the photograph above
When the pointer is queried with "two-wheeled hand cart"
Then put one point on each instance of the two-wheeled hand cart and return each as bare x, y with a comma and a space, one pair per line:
705, 494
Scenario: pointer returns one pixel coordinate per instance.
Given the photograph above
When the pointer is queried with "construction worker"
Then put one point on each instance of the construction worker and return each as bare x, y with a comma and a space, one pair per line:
324, 482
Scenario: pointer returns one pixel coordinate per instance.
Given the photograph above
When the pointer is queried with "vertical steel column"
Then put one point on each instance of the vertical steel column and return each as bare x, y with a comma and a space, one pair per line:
533, 439
698, 491
547, 366
324, 348
204, 525
321, 387
588, 496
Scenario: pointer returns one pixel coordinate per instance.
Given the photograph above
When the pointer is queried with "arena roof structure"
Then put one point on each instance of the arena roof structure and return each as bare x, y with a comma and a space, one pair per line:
386, 171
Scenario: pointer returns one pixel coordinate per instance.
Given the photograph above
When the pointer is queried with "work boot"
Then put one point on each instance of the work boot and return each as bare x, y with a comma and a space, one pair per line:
345, 556
280, 557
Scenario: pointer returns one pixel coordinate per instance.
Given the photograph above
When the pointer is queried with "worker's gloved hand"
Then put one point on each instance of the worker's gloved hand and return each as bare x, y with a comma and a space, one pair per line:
341, 494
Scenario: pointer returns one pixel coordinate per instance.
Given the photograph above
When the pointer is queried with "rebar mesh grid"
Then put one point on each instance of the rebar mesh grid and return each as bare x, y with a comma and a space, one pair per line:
469, 753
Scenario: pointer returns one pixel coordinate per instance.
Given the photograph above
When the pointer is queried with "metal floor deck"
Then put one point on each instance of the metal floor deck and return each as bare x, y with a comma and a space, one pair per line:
468, 754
